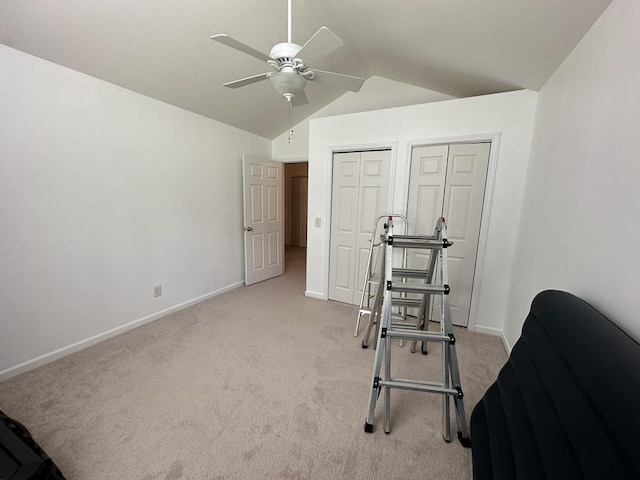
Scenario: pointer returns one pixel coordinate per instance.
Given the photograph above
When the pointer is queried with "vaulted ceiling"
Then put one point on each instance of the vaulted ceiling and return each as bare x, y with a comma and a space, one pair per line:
161, 48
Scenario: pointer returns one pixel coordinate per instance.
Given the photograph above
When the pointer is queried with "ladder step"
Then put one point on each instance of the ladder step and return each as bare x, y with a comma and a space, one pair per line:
418, 386
418, 335
416, 237
416, 288
403, 242
406, 302
410, 273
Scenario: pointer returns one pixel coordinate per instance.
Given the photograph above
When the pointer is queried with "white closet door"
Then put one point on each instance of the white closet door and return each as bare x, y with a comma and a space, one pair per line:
426, 199
426, 195
359, 194
374, 197
344, 225
464, 197
449, 181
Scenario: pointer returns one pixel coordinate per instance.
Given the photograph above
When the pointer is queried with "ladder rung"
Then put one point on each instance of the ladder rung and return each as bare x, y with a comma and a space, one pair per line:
416, 288
404, 242
418, 335
418, 386
406, 302
410, 273
416, 237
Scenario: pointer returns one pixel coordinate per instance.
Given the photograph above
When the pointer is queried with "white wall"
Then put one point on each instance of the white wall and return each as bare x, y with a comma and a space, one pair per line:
105, 193
376, 93
507, 115
579, 227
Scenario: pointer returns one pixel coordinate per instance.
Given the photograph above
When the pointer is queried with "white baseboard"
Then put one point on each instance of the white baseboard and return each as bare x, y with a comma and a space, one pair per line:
319, 296
101, 337
505, 342
497, 332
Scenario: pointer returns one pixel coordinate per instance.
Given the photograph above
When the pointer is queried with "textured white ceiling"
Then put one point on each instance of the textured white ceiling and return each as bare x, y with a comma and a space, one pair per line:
161, 48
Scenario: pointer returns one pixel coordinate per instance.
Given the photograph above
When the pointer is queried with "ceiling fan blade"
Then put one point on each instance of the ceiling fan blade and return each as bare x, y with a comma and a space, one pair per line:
322, 43
300, 99
230, 42
247, 80
338, 80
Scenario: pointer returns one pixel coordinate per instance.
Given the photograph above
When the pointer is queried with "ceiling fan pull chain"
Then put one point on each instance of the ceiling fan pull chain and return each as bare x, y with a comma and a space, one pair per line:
290, 139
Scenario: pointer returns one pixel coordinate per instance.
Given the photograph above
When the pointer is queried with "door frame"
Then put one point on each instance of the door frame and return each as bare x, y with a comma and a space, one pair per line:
485, 216
295, 160
295, 222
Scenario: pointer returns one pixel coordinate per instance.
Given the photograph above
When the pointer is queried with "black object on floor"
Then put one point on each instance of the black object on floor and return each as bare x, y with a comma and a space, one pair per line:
566, 404
21, 458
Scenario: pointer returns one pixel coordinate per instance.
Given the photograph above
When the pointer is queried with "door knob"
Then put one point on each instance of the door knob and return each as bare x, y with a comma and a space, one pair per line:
248, 229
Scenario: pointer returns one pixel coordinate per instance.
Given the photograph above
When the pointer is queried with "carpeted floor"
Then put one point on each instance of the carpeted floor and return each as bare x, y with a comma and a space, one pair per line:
260, 382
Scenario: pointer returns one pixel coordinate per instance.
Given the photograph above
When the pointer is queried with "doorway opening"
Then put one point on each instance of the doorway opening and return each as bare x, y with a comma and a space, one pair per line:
296, 178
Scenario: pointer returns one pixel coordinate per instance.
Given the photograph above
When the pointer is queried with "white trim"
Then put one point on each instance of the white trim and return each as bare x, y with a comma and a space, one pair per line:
506, 344
496, 332
87, 342
291, 160
492, 168
318, 295
360, 147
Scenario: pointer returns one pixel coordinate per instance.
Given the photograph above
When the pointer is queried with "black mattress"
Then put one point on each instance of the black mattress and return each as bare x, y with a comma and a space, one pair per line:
567, 403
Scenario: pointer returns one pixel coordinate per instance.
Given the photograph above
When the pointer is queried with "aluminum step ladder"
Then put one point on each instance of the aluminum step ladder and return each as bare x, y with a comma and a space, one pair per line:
371, 276
404, 301
450, 386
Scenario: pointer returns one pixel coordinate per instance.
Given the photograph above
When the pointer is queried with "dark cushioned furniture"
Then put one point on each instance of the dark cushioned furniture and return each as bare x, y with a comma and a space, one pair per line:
567, 403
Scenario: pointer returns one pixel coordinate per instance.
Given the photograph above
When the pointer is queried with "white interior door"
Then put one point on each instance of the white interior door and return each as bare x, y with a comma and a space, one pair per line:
263, 219
463, 201
449, 181
360, 193
299, 194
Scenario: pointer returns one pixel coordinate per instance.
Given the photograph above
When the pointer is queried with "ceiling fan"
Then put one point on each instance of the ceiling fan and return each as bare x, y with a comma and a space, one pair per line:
290, 64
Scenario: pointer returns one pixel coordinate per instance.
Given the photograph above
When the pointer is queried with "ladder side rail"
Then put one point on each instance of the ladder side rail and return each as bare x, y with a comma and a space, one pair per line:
366, 287
384, 322
446, 417
387, 339
374, 316
454, 372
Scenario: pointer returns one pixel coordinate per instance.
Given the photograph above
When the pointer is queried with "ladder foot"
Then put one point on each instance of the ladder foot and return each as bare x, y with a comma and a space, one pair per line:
423, 348
464, 441
364, 345
448, 440
368, 427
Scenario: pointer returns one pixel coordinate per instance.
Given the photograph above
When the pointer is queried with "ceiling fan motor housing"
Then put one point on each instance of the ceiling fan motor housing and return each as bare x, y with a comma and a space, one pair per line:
284, 52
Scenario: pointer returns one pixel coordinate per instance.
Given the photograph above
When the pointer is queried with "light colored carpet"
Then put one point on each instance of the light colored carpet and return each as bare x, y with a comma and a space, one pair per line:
260, 382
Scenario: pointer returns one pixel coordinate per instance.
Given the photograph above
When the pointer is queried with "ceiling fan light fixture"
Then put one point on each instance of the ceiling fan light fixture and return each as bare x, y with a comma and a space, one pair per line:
288, 84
